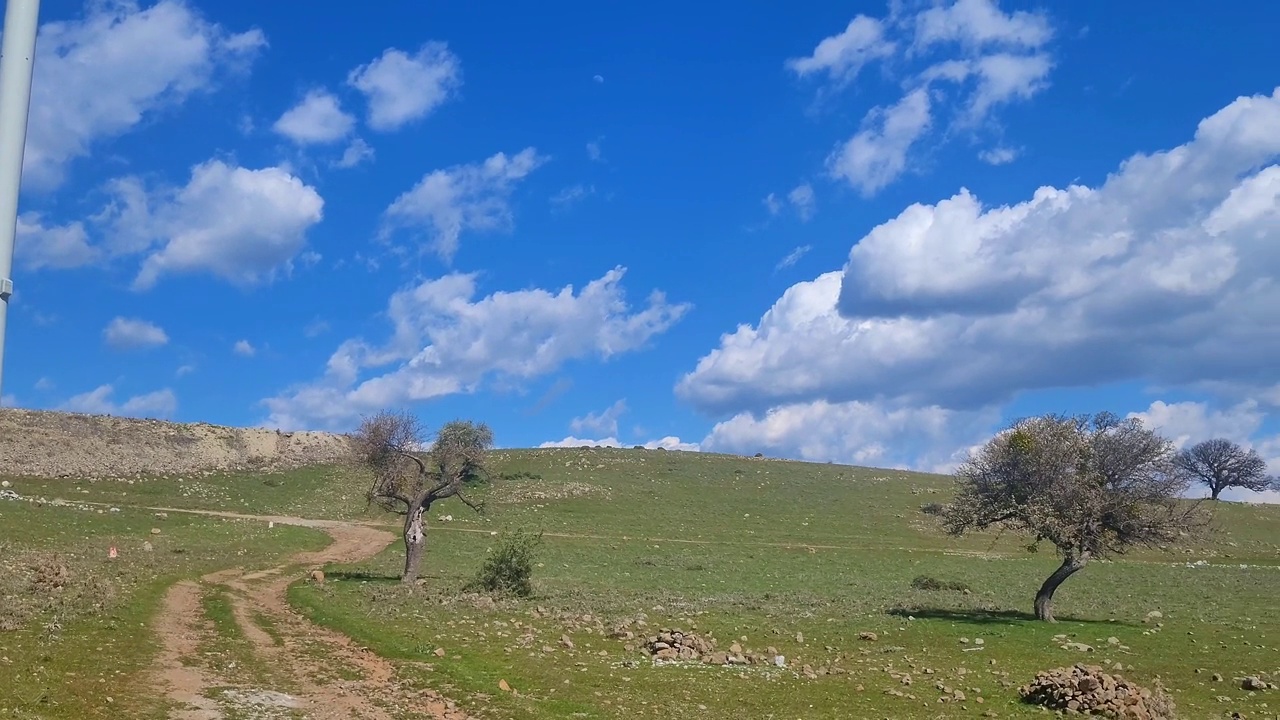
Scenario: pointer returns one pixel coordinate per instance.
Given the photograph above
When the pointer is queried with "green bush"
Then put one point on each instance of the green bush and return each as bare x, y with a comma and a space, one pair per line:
509, 567
932, 508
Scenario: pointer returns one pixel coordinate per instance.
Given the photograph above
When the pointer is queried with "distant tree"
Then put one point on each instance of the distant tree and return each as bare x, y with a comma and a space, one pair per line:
1092, 486
409, 475
1219, 464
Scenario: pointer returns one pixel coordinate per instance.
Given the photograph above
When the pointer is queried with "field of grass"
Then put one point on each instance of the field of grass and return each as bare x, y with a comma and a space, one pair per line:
75, 635
801, 558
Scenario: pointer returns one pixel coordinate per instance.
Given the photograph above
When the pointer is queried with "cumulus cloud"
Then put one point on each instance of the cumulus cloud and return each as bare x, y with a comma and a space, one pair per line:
161, 404
1164, 273
58, 247
244, 348
802, 199
445, 341
151, 59
317, 119
401, 88
447, 202
965, 59
859, 433
241, 225
133, 334
603, 423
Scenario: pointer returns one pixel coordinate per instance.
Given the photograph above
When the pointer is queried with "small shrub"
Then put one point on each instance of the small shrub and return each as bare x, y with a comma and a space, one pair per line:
932, 508
509, 568
932, 584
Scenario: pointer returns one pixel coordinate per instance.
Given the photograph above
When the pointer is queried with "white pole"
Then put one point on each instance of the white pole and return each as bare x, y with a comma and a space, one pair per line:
17, 58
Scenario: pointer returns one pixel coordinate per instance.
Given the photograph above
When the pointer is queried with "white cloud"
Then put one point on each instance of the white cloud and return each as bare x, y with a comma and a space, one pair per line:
998, 156
316, 328
966, 59
877, 154
243, 226
793, 257
572, 194
606, 422
184, 370
857, 433
844, 55
133, 334
356, 153
447, 342
244, 348
463, 197
666, 443
1164, 274
149, 59
772, 204
802, 199
979, 23
593, 151
158, 404
44, 384
317, 119
402, 88
60, 247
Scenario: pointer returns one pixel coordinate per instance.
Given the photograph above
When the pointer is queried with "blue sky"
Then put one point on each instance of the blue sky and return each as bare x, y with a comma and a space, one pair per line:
860, 232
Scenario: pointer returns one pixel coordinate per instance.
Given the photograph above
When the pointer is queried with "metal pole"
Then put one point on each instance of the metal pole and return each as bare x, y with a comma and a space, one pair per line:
17, 58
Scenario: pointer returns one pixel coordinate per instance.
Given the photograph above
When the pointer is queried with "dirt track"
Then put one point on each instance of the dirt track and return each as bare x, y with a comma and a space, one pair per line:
309, 660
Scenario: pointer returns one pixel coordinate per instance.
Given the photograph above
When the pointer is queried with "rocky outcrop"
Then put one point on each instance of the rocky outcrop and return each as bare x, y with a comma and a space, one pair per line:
57, 444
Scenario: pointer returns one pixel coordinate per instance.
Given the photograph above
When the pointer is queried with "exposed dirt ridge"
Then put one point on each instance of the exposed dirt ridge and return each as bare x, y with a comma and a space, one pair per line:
57, 444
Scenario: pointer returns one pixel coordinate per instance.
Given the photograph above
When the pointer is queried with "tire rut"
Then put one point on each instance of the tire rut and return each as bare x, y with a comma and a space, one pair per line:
334, 678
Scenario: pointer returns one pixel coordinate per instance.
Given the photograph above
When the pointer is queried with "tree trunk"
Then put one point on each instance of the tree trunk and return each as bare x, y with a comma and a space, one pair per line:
1071, 564
1215, 491
415, 543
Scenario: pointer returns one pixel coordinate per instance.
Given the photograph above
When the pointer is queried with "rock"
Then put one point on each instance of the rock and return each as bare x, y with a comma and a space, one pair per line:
146, 546
779, 661
566, 642
679, 645
1217, 677
1079, 646
155, 531
868, 636
6, 484
440, 652
1153, 615
1086, 689
503, 686
1253, 684
317, 576
800, 638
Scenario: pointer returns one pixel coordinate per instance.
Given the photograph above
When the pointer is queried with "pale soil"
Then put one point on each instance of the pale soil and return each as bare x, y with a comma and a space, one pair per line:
57, 444
329, 676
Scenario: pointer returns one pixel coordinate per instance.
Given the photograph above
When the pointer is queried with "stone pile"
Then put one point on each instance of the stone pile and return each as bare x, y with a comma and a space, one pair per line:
673, 644
1087, 690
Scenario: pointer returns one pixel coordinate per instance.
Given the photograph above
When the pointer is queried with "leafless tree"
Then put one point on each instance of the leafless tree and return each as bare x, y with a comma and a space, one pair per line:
1220, 464
1092, 486
409, 475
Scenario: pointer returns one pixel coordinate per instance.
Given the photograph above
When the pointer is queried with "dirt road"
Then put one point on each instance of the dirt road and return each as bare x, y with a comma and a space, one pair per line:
299, 670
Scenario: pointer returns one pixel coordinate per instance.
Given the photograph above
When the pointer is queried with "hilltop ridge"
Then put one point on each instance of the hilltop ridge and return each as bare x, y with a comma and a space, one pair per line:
50, 444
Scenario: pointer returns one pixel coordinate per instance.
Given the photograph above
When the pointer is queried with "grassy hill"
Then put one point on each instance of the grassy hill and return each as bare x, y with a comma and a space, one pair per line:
802, 558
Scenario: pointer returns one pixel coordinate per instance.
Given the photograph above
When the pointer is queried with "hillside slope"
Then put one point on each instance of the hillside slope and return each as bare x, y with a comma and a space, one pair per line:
57, 444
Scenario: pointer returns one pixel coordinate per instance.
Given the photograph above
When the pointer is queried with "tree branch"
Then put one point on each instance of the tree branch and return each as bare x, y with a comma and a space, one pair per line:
478, 507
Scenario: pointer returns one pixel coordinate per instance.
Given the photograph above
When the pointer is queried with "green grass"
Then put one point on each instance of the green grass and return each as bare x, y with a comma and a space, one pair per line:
76, 651
767, 550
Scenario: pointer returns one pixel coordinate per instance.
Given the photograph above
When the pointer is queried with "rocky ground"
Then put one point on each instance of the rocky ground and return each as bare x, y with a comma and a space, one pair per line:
56, 444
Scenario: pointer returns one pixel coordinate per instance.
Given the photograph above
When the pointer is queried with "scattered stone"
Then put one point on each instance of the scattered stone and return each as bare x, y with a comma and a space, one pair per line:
6, 484
1217, 677
565, 641
676, 644
1254, 684
155, 531
317, 576
1086, 689
1079, 646
440, 652
503, 686
868, 636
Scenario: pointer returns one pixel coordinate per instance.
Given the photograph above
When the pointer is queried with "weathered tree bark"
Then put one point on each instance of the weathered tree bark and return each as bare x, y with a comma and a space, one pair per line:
1215, 490
1071, 564
415, 542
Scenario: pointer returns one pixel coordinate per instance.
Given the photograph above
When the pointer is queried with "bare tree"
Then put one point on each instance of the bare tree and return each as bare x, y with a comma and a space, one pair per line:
1092, 486
1220, 464
409, 476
